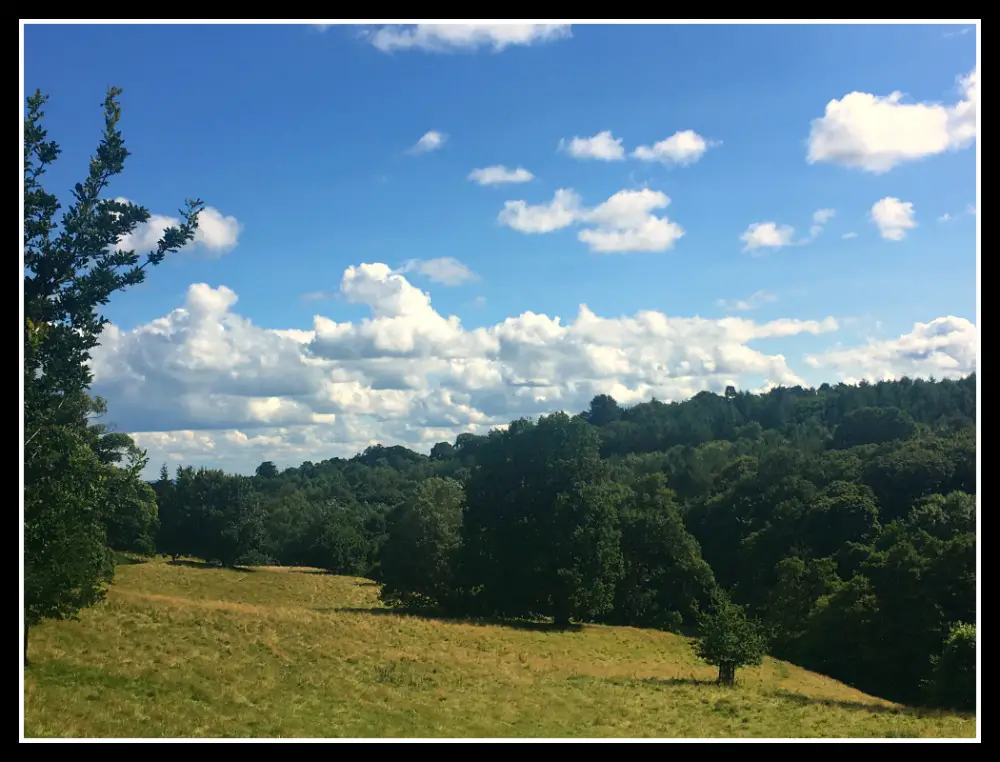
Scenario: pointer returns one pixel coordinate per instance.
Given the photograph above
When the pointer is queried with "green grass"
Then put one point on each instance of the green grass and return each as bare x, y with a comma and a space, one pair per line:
183, 651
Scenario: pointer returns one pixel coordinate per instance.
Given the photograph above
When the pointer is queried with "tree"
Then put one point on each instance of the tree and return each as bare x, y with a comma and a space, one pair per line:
418, 559
72, 268
131, 514
586, 556
241, 533
666, 581
603, 410
267, 470
730, 639
541, 522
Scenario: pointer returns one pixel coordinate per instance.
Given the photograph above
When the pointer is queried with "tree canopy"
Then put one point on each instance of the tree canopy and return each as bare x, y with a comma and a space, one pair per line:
77, 502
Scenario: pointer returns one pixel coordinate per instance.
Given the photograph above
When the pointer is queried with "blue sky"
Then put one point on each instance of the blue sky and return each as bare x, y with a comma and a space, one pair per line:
682, 156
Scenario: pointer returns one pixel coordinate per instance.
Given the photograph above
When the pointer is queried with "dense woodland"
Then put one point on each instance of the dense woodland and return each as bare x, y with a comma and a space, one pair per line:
843, 519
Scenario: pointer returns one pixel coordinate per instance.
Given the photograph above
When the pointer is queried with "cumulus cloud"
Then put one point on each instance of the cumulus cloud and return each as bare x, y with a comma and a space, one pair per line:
603, 146
442, 38
500, 175
431, 141
771, 235
754, 301
626, 222
444, 270
217, 233
893, 218
207, 385
876, 133
684, 147
560, 213
943, 348
767, 235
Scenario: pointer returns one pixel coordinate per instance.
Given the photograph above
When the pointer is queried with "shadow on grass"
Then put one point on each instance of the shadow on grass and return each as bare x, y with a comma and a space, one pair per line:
513, 624
191, 564
860, 706
127, 559
695, 681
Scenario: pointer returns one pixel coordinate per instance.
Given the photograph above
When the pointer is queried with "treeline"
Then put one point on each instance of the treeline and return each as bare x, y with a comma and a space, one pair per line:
842, 517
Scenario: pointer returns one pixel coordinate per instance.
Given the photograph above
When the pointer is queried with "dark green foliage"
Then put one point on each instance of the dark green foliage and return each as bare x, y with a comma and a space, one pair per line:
873, 425
730, 639
539, 518
75, 496
665, 582
419, 557
856, 554
953, 677
267, 470
131, 516
211, 515
67, 561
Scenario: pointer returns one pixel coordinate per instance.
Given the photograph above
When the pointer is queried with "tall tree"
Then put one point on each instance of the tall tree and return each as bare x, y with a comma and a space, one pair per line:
72, 268
418, 560
666, 581
540, 524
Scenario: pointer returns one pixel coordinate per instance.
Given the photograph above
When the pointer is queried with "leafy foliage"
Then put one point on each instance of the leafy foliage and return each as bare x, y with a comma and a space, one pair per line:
76, 499
953, 677
730, 639
855, 551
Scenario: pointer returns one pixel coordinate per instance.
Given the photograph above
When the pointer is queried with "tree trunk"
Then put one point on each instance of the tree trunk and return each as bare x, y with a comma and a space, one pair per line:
727, 674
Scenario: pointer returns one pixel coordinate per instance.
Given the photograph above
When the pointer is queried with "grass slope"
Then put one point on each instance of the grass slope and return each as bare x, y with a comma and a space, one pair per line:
183, 651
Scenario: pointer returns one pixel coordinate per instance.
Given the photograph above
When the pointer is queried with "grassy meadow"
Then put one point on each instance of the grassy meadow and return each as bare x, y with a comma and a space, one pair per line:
182, 650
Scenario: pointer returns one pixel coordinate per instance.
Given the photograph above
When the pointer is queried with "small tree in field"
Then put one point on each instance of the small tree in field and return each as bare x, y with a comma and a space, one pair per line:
730, 639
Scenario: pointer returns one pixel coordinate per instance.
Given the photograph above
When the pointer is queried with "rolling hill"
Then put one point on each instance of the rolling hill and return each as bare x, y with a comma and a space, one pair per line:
184, 650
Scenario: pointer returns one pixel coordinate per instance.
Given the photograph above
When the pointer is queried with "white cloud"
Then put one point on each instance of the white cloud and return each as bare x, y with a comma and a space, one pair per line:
603, 146
623, 223
217, 233
755, 300
444, 270
442, 38
767, 235
946, 217
820, 218
431, 141
206, 385
560, 213
685, 147
500, 175
893, 218
876, 133
850, 235
943, 348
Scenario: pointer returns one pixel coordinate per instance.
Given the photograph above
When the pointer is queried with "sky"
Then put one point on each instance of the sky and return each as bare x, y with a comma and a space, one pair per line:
418, 231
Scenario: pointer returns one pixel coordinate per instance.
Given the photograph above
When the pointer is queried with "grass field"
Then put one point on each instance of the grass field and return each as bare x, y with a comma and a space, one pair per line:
183, 651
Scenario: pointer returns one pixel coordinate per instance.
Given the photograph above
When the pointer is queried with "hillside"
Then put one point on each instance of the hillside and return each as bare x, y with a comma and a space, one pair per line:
190, 651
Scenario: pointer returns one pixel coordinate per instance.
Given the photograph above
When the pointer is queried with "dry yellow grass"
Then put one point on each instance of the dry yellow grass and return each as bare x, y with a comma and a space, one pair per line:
183, 651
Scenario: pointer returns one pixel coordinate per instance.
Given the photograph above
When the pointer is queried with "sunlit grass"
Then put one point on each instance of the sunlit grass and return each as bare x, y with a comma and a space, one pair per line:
182, 651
